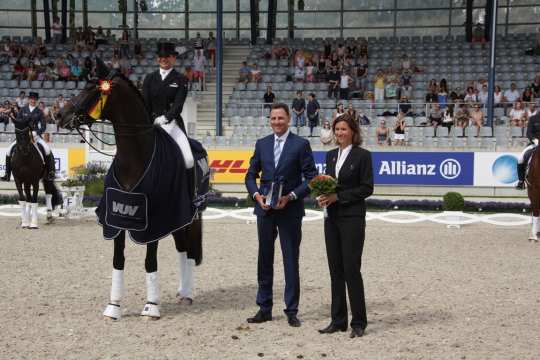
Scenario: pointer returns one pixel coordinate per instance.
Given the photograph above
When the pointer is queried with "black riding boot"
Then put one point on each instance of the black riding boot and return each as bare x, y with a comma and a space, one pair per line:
50, 167
521, 176
7, 176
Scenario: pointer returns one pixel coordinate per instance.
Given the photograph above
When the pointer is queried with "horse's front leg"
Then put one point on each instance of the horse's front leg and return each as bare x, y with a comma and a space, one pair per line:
25, 207
151, 309
113, 310
34, 206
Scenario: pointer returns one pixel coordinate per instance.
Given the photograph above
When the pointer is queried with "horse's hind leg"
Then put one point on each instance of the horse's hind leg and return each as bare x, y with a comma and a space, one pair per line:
151, 309
34, 206
25, 221
113, 310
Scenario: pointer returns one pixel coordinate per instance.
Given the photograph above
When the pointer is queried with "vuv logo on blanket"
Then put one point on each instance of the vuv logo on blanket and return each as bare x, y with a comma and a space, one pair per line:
124, 209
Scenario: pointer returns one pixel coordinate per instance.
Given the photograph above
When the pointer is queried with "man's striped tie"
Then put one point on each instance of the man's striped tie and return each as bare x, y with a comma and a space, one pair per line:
277, 151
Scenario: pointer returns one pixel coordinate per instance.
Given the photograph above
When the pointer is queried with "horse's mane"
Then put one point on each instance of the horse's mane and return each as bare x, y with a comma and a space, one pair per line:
136, 90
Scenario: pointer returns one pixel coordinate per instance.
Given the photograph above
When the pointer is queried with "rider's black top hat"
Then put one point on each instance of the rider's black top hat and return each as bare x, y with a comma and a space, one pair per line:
33, 95
166, 49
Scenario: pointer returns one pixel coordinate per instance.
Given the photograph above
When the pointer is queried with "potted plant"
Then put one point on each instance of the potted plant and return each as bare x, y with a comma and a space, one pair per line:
453, 205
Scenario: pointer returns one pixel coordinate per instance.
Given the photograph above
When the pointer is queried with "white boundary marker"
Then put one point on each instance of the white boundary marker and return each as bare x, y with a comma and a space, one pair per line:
396, 217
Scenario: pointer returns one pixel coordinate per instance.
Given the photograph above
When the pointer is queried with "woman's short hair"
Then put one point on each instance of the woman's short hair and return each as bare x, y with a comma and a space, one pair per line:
353, 125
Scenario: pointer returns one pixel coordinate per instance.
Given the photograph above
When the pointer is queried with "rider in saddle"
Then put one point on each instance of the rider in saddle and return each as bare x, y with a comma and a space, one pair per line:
533, 134
30, 116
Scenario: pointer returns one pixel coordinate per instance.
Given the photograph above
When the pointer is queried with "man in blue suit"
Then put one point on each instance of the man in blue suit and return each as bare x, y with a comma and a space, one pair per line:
284, 163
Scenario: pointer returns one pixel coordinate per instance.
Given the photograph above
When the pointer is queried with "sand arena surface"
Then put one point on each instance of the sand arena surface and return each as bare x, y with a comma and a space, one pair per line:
432, 293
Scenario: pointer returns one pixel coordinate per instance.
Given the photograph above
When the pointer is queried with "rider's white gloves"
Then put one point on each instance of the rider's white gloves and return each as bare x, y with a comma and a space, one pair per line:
535, 141
160, 120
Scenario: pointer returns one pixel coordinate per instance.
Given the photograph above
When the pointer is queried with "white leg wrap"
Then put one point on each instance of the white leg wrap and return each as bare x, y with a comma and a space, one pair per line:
181, 139
24, 218
186, 280
152, 287
117, 286
113, 311
151, 309
534, 229
48, 201
33, 213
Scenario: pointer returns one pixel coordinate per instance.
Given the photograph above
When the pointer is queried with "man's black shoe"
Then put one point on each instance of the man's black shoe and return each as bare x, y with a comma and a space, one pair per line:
293, 321
356, 332
330, 329
260, 317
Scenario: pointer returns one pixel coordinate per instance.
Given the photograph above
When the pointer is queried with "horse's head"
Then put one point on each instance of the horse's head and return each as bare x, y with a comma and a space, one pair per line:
100, 99
23, 140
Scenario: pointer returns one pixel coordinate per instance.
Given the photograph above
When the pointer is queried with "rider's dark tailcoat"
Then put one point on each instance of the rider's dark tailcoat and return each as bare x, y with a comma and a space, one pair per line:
32, 119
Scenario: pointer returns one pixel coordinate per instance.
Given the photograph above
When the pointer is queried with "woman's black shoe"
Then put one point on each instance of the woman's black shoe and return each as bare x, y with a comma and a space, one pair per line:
356, 332
330, 329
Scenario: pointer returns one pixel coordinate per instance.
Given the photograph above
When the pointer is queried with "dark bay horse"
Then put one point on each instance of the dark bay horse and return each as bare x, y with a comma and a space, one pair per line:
116, 99
28, 168
533, 191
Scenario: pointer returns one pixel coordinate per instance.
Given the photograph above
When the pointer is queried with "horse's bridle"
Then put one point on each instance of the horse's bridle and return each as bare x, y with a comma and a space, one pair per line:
83, 107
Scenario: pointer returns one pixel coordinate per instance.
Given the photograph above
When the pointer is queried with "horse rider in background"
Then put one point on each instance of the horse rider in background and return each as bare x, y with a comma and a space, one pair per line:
533, 134
30, 116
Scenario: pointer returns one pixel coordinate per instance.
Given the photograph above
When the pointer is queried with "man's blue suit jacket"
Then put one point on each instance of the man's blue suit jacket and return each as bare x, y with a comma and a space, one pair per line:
295, 169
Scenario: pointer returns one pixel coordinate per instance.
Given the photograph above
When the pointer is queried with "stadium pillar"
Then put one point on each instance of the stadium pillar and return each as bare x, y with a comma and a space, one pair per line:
271, 21
33, 15
219, 68
136, 19
290, 8
64, 21
492, 53
85, 14
47, 20
469, 20
254, 12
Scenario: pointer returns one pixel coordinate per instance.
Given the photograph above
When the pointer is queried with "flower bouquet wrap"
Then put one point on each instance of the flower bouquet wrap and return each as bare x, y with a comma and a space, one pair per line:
322, 185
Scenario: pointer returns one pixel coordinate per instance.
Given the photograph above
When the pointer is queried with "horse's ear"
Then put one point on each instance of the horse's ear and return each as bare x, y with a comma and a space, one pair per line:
101, 69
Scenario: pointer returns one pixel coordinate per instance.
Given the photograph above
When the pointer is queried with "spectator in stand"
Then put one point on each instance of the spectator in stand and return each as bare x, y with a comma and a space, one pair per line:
333, 83
362, 118
199, 69
406, 84
245, 70
432, 95
379, 84
344, 82
531, 110
470, 96
21, 100
100, 36
299, 73
483, 95
211, 48
352, 112
124, 45
361, 78
442, 94
299, 110
279, 53
405, 106
477, 118
340, 110
63, 70
511, 95
31, 73
56, 30
269, 98
462, 116
255, 74
138, 51
518, 115
75, 71
535, 86
435, 115
327, 135
60, 102
5, 110
448, 118
527, 95
19, 71
382, 134
498, 96
321, 69
399, 130
188, 73
198, 43
54, 113
312, 110
310, 72
391, 84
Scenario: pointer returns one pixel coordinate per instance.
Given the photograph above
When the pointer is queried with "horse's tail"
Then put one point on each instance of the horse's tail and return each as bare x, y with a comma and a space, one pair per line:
194, 239
51, 189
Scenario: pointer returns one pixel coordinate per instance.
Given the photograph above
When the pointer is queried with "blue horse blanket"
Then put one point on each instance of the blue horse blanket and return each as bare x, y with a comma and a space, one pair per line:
161, 203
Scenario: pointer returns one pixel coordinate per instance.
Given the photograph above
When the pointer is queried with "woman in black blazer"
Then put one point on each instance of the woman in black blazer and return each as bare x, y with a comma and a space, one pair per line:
344, 227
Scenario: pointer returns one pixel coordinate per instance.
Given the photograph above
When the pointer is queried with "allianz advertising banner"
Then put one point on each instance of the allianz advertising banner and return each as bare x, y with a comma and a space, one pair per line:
495, 169
417, 168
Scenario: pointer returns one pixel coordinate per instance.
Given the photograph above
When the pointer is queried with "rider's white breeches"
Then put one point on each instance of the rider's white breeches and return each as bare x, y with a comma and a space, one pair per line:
521, 157
37, 139
181, 139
